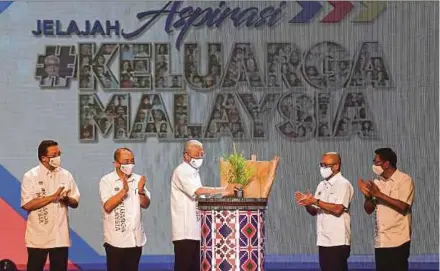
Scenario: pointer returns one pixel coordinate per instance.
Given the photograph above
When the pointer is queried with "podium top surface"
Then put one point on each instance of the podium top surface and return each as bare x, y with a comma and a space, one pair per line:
231, 203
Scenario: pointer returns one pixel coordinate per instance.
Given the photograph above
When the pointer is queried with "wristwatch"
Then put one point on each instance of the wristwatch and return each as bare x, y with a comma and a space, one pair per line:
373, 199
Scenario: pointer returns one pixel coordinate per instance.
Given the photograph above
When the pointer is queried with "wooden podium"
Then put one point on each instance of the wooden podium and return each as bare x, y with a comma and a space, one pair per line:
232, 229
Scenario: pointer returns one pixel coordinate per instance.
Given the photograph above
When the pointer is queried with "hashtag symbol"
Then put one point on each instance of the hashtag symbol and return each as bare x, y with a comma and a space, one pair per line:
56, 67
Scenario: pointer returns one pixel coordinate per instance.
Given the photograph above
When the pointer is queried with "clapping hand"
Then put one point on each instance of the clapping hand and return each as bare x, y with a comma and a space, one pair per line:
141, 184
125, 186
65, 195
304, 199
57, 195
364, 186
374, 190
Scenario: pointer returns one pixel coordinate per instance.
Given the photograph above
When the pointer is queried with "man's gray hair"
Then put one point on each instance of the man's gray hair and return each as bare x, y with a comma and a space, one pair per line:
192, 143
53, 58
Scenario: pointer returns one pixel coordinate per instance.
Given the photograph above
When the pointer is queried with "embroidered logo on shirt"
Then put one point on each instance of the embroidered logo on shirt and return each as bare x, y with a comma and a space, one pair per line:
120, 223
43, 213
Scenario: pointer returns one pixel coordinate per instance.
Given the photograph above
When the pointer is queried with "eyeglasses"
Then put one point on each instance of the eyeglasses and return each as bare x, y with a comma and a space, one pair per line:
378, 163
326, 165
201, 155
54, 155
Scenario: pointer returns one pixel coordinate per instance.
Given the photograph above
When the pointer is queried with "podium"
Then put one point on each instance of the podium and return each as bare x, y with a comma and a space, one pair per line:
232, 234
232, 229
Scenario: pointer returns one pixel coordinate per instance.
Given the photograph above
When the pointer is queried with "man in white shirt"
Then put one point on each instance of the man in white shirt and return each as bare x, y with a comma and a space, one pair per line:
185, 220
47, 191
331, 204
391, 195
123, 194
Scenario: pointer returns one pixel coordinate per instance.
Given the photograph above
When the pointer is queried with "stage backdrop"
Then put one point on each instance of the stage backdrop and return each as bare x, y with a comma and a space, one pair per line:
294, 79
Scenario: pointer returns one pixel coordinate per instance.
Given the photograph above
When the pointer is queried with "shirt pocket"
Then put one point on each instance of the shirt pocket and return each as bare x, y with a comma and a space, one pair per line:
332, 197
393, 192
116, 188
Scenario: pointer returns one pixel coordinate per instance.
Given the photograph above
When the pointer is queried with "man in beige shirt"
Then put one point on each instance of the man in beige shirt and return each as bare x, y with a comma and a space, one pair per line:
391, 195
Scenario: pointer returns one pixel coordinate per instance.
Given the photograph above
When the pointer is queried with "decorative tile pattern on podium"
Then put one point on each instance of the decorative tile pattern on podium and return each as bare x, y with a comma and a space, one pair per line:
225, 242
206, 242
248, 240
262, 239
232, 240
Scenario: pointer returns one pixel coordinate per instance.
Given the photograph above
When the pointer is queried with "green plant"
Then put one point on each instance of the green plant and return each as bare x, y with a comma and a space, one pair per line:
239, 172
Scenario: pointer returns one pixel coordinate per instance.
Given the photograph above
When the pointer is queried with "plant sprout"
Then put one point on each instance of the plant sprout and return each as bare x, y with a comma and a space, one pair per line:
239, 171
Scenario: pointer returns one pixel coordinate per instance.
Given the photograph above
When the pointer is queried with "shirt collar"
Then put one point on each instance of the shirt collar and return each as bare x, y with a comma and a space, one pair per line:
117, 178
45, 171
333, 179
393, 177
189, 166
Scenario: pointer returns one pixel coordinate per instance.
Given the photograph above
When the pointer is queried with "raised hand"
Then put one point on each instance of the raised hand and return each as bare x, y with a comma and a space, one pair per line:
65, 195
125, 186
141, 184
374, 190
299, 196
304, 199
364, 187
57, 195
307, 200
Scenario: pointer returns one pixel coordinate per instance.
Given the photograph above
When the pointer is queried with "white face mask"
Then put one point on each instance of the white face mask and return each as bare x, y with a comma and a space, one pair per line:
196, 163
127, 169
326, 172
378, 170
55, 161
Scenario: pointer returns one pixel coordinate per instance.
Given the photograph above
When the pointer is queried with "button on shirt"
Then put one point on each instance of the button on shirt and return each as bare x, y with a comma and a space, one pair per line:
184, 215
392, 228
123, 226
47, 227
333, 230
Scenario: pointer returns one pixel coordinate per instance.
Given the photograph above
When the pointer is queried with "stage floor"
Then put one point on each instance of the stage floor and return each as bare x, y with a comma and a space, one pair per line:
274, 263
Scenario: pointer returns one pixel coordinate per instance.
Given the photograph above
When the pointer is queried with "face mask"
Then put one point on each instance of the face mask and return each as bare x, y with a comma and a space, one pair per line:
55, 161
196, 163
127, 169
378, 170
326, 172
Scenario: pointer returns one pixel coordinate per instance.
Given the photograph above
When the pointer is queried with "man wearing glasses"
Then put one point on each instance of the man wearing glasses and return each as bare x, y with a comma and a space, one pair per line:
185, 187
391, 195
47, 192
331, 204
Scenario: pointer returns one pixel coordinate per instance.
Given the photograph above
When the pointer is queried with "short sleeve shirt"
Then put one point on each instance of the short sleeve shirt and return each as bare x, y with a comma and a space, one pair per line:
47, 227
123, 226
393, 228
333, 230
184, 216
